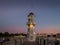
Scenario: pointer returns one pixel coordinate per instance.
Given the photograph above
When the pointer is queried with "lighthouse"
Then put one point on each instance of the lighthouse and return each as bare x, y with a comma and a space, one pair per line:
31, 35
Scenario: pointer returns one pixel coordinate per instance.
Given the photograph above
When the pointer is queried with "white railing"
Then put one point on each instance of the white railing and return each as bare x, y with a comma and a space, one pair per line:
39, 41
48, 41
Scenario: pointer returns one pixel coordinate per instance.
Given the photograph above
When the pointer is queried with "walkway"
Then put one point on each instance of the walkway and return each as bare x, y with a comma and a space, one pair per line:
30, 43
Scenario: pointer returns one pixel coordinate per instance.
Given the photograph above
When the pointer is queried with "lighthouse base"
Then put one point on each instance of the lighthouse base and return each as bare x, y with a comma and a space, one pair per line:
31, 37
31, 40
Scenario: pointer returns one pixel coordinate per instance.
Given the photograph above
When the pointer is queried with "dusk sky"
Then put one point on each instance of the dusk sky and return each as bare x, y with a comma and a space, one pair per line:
13, 15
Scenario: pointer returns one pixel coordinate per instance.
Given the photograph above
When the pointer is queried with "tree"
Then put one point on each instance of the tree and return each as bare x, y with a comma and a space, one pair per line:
11, 35
6, 34
1, 34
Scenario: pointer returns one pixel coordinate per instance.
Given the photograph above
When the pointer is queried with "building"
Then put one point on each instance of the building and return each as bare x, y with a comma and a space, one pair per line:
31, 35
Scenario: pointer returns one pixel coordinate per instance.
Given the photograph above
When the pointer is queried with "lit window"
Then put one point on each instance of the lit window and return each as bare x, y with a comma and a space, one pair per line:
31, 26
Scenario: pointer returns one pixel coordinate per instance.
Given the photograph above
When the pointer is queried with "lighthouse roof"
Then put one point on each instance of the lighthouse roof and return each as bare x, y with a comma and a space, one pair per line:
31, 14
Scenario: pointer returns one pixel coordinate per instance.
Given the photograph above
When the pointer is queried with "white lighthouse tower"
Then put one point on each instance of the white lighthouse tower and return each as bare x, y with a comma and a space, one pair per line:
31, 36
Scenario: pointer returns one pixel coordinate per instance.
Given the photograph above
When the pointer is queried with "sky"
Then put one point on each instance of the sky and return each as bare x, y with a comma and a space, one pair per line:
13, 15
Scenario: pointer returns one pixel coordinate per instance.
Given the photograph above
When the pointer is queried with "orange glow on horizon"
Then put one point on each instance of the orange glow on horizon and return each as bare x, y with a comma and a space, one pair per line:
19, 29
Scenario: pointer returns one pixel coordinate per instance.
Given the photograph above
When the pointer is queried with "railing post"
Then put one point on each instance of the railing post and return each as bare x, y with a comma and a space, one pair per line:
20, 41
40, 41
1, 43
15, 42
59, 41
44, 42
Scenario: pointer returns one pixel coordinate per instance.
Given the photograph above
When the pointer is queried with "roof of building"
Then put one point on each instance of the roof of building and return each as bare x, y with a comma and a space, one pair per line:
30, 14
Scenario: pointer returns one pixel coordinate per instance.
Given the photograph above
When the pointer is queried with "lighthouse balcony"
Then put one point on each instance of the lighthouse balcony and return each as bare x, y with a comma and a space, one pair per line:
33, 23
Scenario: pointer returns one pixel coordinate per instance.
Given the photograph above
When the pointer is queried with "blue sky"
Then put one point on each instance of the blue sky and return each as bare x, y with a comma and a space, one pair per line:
14, 13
